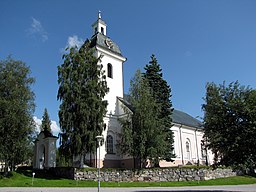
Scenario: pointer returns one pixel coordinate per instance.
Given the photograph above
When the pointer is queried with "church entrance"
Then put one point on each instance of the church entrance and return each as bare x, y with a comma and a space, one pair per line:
42, 157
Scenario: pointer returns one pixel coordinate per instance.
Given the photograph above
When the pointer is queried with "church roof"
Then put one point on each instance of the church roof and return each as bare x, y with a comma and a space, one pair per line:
105, 42
48, 134
178, 117
125, 102
183, 118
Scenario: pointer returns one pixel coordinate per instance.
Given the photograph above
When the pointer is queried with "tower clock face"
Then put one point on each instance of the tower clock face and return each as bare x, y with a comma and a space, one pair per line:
109, 43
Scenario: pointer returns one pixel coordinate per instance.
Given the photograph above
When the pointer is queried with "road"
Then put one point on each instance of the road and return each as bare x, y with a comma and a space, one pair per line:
226, 188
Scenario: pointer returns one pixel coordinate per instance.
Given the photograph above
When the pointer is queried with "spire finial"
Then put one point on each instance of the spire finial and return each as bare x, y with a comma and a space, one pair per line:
99, 15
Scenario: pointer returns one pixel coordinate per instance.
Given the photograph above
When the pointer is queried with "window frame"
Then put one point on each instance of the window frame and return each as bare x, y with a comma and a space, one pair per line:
110, 70
110, 144
188, 149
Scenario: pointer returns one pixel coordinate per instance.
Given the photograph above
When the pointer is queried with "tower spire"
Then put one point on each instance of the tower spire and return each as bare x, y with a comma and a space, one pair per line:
99, 14
100, 26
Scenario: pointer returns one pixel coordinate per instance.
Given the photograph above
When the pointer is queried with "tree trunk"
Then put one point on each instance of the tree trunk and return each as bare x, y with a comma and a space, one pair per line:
5, 167
90, 162
81, 161
140, 163
157, 164
12, 166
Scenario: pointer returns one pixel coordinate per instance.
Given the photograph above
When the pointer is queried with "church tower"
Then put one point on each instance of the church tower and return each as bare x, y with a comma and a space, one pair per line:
112, 61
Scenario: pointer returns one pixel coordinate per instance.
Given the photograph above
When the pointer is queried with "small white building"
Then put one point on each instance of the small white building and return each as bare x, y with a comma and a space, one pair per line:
45, 151
188, 131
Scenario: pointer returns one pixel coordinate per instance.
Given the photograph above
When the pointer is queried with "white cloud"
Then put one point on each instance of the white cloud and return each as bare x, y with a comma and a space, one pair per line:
72, 41
36, 30
54, 127
38, 123
75, 41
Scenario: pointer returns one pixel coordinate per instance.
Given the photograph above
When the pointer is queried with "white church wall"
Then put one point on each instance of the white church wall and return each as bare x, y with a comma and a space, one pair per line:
186, 154
187, 140
189, 147
115, 83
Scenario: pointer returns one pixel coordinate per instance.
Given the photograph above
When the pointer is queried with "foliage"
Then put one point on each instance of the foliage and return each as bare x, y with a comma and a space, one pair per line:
46, 122
162, 93
230, 124
61, 159
16, 109
82, 87
142, 134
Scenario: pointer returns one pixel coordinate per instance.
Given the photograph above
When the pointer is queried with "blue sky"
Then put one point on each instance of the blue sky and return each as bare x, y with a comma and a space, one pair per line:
195, 41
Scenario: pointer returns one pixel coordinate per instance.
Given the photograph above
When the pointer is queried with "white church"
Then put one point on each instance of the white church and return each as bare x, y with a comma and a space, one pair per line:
188, 131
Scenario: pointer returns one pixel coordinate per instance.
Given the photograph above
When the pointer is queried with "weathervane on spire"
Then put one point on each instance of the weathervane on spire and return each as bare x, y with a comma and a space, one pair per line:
99, 15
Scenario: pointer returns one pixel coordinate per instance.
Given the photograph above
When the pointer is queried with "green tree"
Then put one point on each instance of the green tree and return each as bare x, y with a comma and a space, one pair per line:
46, 122
250, 141
82, 87
229, 123
16, 109
142, 133
162, 93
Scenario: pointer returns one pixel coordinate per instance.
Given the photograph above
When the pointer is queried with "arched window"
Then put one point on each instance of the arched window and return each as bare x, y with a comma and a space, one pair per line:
102, 30
110, 71
188, 148
110, 144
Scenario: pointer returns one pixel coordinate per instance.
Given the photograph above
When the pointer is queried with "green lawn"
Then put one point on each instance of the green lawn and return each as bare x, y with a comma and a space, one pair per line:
22, 180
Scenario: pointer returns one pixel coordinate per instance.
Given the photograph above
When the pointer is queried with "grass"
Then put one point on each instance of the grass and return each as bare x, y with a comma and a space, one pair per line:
23, 180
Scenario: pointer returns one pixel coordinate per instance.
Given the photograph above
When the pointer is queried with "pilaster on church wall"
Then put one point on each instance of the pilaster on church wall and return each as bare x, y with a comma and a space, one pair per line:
50, 152
188, 134
53, 152
40, 148
177, 142
47, 152
182, 134
36, 155
200, 134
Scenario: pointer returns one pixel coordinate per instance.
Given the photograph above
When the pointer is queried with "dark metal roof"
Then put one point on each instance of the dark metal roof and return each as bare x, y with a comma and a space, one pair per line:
178, 117
126, 103
105, 42
182, 118
48, 134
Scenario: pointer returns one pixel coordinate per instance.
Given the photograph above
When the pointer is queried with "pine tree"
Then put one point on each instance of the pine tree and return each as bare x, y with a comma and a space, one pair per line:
16, 109
162, 93
46, 122
82, 87
142, 134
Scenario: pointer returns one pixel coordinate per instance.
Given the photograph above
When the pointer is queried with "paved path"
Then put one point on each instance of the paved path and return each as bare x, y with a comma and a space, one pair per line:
226, 188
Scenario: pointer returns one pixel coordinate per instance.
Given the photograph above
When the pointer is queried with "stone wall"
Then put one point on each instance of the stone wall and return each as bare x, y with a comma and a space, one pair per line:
154, 175
63, 172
